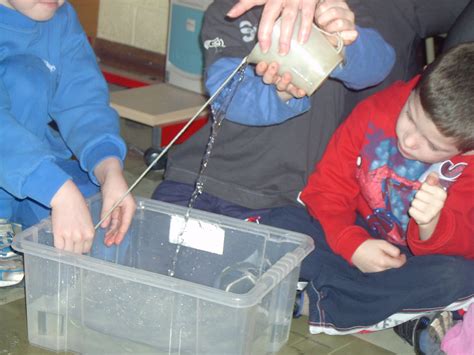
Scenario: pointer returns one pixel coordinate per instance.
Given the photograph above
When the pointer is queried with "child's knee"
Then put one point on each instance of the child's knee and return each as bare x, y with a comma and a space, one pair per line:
465, 272
457, 275
291, 218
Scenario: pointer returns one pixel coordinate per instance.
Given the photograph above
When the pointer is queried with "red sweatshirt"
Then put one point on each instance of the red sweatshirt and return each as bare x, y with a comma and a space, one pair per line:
362, 171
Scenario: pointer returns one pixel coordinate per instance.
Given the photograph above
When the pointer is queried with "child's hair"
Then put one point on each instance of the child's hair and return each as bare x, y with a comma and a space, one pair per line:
446, 91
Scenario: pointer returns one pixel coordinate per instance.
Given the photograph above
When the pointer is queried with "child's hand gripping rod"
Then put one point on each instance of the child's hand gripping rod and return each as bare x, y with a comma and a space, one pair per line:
163, 152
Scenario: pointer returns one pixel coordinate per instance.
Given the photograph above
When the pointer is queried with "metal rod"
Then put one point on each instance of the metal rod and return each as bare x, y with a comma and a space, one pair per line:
163, 152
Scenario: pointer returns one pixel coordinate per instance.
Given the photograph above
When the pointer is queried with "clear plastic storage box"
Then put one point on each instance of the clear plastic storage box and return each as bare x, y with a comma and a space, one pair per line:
232, 289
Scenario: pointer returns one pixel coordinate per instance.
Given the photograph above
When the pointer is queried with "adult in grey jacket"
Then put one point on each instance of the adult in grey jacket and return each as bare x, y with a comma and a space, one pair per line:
254, 168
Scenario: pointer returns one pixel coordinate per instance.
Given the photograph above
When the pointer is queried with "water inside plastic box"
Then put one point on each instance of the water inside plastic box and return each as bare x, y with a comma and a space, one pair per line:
120, 299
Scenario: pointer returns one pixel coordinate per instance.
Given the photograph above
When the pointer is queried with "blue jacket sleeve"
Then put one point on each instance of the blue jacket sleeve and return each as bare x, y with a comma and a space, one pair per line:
368, 61
254, 102
88, 124
27, 166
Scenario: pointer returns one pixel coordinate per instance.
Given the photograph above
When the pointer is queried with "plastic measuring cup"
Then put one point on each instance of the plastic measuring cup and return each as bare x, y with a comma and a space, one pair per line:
309, 64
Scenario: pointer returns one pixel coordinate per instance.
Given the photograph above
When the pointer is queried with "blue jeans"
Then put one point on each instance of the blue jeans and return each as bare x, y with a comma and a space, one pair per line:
341, 296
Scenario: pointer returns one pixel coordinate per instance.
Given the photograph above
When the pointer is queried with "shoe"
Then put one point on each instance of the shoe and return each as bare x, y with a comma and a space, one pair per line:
7, 232
241, 277
439, 325
11, 263
6, 238
432, 327
238, 278
11, 271
410, 332
299, 299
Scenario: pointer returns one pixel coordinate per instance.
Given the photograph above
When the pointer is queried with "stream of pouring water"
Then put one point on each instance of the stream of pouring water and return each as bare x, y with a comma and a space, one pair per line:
218, 111
242, 64
222, 97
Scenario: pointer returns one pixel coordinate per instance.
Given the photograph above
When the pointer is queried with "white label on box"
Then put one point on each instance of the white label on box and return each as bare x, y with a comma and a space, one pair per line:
197, 235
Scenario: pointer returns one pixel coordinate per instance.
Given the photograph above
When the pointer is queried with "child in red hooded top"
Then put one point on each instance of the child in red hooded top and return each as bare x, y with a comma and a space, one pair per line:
404, 161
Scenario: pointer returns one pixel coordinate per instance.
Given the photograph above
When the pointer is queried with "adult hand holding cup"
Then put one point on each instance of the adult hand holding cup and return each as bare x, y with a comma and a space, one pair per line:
330, 15
309, 64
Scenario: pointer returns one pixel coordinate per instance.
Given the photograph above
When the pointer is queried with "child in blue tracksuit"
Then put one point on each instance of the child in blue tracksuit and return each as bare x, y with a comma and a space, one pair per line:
54, 106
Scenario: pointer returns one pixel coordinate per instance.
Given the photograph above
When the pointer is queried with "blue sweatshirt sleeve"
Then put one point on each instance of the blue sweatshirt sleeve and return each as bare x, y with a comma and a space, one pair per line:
27, 166
88, 124
254, 102
368, 61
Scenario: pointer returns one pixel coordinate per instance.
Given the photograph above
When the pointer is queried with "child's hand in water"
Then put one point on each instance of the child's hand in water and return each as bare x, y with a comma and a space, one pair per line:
285, 90
72, 223
113, 186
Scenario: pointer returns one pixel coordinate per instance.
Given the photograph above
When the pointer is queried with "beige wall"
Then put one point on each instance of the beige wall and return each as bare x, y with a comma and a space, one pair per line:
138, 23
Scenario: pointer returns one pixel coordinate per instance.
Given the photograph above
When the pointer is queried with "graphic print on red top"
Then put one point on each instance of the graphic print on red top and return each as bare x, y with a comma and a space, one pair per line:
388, 182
